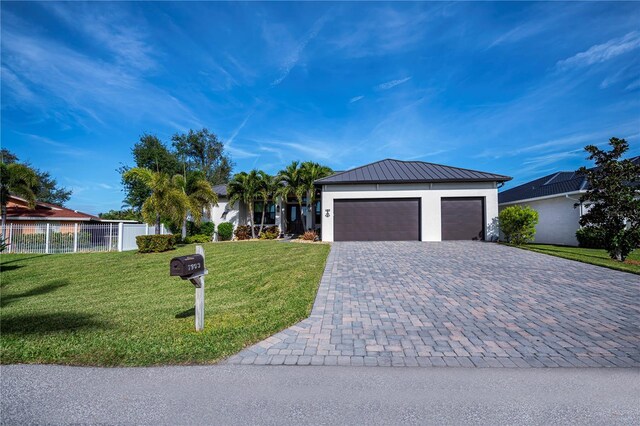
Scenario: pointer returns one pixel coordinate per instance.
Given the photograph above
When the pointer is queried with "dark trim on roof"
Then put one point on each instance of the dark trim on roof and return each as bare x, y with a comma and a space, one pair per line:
398, 171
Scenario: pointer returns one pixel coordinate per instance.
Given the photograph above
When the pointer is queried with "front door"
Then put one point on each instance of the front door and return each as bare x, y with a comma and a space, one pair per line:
294, 221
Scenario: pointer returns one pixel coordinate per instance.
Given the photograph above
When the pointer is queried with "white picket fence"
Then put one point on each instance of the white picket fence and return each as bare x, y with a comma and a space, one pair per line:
74, 238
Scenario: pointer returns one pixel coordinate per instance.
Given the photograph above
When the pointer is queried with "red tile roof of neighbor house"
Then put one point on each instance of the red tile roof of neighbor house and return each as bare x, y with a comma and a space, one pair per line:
17, 210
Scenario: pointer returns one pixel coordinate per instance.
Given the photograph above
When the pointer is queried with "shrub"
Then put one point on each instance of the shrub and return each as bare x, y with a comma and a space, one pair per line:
155, 243
591, 237
225, 231
518, 224
270, 233
310, 236
242, 232
204, 228
199, 239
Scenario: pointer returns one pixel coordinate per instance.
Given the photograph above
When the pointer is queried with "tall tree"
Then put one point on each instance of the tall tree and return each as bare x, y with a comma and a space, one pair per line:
311, 172
293, 186
613, 198
149, 153
202, 150
48, 190
245, 187
269, 190
20, 180
201, 197
167, 197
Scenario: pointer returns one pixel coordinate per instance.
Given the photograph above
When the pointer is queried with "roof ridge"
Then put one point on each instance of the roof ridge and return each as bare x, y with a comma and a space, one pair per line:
447, 166
410, 162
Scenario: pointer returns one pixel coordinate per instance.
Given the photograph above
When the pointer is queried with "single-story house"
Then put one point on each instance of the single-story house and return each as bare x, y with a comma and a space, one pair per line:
554, 197
60, 219
389, 200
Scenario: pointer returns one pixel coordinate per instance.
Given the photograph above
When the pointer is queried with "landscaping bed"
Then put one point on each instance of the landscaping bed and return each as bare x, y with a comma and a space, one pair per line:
123, 308
598, 257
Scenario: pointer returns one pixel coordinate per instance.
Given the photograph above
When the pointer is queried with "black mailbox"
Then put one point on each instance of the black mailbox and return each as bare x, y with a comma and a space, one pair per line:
187, 267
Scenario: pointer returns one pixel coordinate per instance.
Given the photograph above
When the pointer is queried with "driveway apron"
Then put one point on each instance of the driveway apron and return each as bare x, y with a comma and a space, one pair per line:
468, 304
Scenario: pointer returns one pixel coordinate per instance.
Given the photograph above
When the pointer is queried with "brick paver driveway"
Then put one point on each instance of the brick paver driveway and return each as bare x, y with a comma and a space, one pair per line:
461, 304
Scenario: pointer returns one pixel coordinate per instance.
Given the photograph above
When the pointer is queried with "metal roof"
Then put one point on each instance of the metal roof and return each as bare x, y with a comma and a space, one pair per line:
221, 190
553, 184
397, 171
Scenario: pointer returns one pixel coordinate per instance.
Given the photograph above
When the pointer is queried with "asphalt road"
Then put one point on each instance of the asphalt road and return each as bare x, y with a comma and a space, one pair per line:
228, 394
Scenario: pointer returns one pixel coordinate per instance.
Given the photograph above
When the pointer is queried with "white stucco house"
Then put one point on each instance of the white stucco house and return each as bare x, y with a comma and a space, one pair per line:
389, 200
554, 198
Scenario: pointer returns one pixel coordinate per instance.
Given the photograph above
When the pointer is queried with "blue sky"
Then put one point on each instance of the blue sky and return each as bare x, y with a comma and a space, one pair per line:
512, 88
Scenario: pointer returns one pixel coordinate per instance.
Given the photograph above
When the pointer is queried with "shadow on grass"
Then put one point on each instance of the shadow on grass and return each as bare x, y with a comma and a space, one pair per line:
37, 291
186, 314
50, 323
21, 259
4, 268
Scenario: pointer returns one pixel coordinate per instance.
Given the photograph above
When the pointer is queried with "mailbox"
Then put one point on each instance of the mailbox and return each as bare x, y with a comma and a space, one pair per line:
187, 267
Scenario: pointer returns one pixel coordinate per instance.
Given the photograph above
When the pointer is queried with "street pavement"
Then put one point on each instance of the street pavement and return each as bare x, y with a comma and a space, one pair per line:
235, 394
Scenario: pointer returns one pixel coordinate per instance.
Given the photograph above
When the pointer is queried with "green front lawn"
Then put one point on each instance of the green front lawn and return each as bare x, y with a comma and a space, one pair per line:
593, 256
123, 308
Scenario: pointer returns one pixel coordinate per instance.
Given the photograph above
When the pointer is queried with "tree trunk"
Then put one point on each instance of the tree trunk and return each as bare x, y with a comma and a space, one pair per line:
184, 228
264, 209
253, 232
157, 224
4, 221
302, 218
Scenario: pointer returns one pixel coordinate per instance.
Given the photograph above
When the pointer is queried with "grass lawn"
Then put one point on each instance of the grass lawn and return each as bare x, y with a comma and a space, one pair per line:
593, 256
123, 309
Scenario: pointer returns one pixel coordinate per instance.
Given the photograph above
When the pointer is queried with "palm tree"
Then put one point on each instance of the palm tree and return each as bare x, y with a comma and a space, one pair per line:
269, 189
19, 180
245, 187
292, 185
167, 195
311, 172
201, 197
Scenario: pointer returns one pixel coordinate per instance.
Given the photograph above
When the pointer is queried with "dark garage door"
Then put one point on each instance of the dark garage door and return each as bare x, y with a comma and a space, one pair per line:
462, 218
376, 220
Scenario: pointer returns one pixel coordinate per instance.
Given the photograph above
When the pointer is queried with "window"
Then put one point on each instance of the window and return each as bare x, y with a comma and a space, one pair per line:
269, 215
318, 212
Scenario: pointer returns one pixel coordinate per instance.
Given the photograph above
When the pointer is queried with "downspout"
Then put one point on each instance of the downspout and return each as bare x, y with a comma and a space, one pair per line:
578, 200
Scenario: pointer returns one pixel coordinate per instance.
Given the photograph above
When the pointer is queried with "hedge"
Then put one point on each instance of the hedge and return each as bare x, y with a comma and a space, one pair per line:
225, 231
155, 243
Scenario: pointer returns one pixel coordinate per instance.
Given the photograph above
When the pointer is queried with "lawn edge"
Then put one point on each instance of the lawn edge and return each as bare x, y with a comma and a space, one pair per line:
533, 249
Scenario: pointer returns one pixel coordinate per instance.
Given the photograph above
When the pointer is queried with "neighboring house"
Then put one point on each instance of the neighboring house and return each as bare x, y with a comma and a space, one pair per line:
59, 218
554, 197
389, 200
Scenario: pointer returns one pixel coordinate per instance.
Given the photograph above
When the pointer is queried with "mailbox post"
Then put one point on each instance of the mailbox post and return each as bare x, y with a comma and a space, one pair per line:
192, 268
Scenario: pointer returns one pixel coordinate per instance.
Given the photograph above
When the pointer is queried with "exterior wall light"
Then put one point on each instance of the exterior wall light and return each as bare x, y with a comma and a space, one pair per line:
326, 214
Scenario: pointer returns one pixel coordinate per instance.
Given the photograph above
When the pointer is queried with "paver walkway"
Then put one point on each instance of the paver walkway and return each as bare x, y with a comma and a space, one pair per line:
465, 304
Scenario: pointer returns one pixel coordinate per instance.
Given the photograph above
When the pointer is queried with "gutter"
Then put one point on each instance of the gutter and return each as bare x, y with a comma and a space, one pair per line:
546, 197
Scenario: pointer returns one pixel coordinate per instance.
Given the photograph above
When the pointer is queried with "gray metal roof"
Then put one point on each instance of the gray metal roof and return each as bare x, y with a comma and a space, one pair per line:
221, 190
396, 171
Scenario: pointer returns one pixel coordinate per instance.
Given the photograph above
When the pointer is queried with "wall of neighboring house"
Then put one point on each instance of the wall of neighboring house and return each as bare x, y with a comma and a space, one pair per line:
65, 227
430, 195
223, 212
558, 220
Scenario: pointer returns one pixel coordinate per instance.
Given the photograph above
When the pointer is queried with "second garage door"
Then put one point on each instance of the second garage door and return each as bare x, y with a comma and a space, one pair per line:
377, 220
462, 218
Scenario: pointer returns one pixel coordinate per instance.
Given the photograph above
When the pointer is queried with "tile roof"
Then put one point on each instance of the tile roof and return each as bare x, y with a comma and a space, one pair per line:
553, 184
396, 171
44, 211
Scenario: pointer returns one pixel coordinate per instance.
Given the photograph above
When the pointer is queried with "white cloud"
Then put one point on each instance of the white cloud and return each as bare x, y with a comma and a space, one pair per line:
603, 52
292, 59
355, 99
392, 83
633, 85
